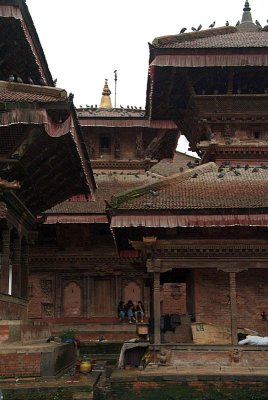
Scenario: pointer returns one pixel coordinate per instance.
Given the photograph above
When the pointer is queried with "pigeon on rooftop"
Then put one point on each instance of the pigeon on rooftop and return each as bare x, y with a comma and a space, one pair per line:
227, 23
257, 23
193, 29
183, 30
212, 25
199, 27
238, 23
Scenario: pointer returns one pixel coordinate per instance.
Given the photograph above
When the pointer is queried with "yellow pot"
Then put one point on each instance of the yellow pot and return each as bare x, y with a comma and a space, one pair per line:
85, 367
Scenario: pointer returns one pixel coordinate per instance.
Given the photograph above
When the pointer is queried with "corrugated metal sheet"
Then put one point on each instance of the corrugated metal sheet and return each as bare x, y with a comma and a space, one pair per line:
129, 123
173, 221
76, 219
207, 60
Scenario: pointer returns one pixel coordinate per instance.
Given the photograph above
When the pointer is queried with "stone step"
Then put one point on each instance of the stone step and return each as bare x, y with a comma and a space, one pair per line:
83, 396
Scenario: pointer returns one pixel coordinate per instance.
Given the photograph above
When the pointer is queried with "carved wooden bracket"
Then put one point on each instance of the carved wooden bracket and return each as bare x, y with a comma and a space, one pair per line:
232, 269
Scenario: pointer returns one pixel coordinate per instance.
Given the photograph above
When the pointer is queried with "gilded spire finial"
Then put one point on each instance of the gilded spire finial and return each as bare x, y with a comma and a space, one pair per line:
105, 99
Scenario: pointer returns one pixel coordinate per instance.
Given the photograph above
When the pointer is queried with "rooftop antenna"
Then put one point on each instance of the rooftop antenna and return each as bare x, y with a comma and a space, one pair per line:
115, 83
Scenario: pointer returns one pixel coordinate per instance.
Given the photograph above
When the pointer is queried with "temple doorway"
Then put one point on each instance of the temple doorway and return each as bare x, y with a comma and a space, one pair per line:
104, 297
72, 300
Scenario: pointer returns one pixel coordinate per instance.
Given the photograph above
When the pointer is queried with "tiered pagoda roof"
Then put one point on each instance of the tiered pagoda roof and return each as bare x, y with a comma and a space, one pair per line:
41, 144
79, 209
204, 187
21, 53
177, 64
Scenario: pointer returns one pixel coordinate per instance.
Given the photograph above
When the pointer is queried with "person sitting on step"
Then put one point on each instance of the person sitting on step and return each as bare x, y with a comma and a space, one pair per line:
121, 311
139, 311
130, 311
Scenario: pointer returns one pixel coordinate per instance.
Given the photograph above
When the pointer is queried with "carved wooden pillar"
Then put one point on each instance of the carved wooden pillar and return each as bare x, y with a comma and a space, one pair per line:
4, 281
232, 271
58, 300
24, 269
92, 295
16, 268
118, 289
233, 306
156, 297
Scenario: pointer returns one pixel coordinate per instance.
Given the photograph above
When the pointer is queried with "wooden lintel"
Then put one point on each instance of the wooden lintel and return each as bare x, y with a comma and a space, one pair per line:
213, 264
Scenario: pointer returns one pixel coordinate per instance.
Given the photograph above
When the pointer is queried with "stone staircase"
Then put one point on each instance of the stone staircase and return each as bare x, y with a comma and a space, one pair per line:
91, 329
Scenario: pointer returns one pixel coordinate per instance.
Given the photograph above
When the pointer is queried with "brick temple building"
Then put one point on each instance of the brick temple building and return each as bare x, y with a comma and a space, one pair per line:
77, 277
185, 235
207, 227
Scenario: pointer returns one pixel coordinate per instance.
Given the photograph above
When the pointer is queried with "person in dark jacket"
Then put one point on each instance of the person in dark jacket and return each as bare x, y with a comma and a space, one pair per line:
121, 311
130, 311
139, 311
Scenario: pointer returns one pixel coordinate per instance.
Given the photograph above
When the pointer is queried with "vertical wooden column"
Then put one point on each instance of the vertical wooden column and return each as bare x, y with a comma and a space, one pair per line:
24, 269
58, 299
90, 296
4, 280
118, 289
233, 306
16, 268
156, 297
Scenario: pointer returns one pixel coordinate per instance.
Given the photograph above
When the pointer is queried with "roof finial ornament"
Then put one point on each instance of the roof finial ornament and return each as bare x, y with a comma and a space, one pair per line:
105, 99
247, 23
247, 7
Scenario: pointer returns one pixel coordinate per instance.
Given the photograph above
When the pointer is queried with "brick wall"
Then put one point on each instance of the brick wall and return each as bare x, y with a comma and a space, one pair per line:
38, 296
20, 364
212, 298
173, 298
12, 308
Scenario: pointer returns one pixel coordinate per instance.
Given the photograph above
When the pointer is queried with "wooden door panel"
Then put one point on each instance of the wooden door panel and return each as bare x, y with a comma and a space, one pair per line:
104, 297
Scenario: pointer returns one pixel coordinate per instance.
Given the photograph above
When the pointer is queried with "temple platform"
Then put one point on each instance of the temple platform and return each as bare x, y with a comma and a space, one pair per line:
35, 359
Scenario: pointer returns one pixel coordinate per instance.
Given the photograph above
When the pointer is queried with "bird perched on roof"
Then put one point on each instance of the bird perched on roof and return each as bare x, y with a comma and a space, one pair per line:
193, 29
121, 106
19, 80
42, 82
71, 97
227, 23
221, 175
212, 25
30, 81
55, 82
195, 175
238, 23
11, 78
257, 23
183, 30
264, 166
237, 172
87, 105
246, 166
199, 27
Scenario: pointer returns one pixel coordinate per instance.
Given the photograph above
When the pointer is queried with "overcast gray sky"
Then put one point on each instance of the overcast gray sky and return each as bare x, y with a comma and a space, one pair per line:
85, 40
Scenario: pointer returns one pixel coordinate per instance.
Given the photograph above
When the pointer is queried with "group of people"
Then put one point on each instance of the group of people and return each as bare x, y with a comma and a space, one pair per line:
134, 312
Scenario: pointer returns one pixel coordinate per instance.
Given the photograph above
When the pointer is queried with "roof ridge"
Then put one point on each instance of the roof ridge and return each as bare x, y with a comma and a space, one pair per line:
153, 187
184, 37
